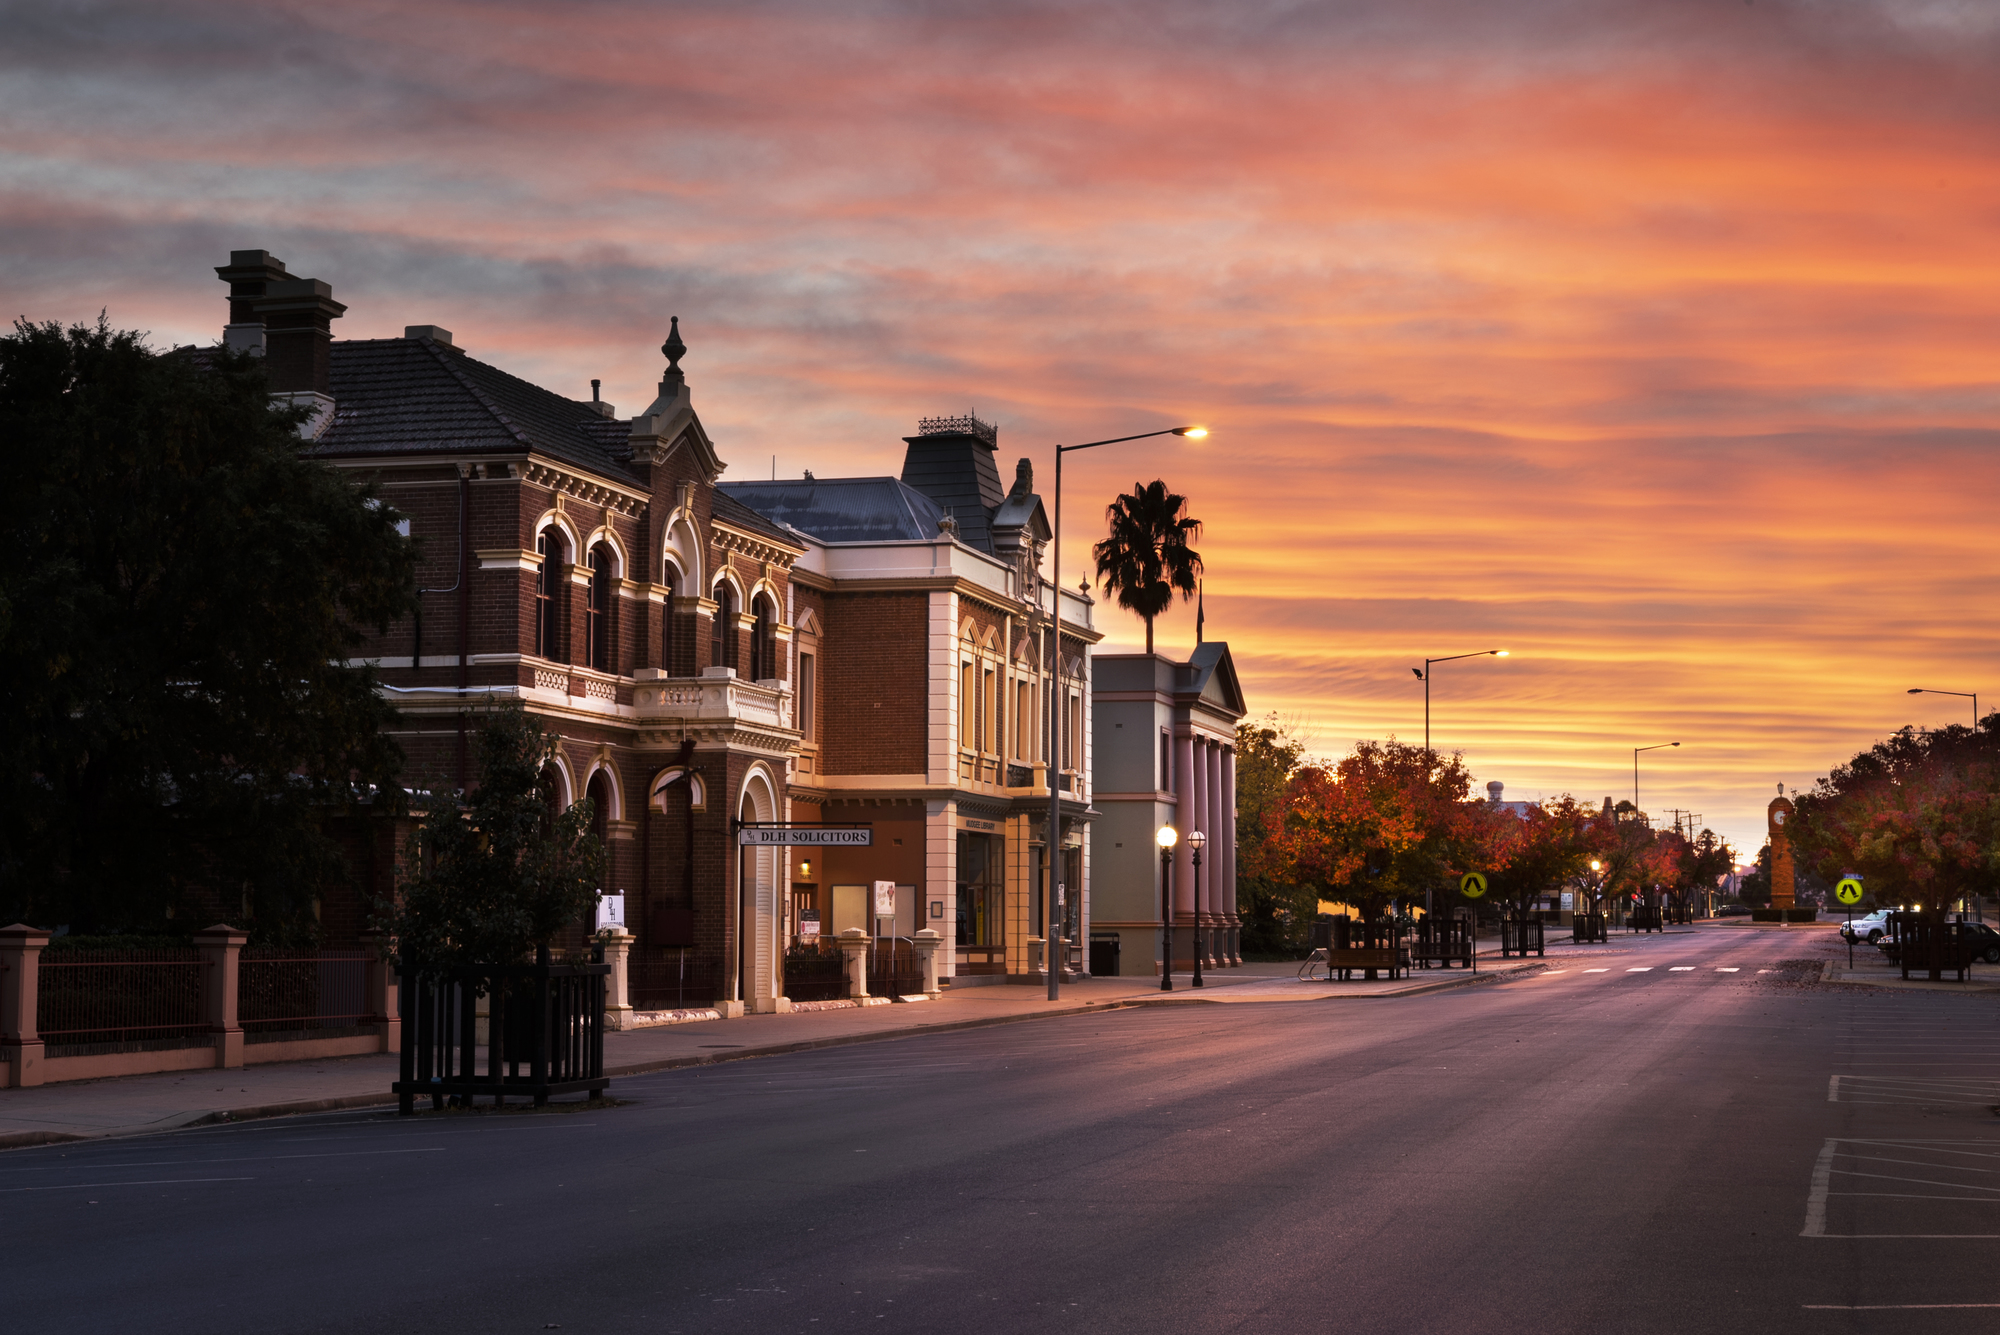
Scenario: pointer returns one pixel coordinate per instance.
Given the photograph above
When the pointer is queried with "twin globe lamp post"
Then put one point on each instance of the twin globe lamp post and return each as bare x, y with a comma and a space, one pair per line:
1166, 839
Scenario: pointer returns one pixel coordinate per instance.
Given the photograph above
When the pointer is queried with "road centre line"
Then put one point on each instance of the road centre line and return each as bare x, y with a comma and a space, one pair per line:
157, 1182
1728, 970
1643, 968
1681, 968
1597, 971
248, 1158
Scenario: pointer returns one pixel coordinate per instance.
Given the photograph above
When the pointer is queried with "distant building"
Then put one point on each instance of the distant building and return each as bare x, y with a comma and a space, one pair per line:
1165, 754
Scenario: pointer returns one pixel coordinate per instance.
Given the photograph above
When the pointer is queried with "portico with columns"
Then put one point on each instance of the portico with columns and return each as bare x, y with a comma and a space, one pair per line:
1164, 753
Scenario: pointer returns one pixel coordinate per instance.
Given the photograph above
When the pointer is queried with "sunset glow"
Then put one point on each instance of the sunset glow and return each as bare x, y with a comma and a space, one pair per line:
1655, 341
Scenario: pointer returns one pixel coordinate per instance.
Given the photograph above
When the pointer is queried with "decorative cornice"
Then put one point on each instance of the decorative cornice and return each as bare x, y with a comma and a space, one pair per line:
590, 490
751, 546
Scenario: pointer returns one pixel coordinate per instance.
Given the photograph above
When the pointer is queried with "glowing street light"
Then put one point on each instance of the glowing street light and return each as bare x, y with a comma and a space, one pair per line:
1166, 839
1197, 841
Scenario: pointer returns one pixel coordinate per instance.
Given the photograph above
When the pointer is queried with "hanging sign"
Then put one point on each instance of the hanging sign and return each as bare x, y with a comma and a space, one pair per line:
1472, 885
769, 836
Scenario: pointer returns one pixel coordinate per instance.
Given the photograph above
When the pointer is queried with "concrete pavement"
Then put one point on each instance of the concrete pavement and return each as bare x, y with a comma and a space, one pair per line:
142, 1105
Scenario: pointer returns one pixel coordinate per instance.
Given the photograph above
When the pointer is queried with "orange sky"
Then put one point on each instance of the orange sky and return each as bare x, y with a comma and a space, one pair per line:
1653, 341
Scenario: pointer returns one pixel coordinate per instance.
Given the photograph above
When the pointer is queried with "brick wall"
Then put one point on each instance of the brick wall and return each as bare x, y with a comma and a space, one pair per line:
873, 683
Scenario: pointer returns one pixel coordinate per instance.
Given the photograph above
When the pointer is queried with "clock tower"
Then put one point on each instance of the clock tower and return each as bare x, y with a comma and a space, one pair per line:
1780, 819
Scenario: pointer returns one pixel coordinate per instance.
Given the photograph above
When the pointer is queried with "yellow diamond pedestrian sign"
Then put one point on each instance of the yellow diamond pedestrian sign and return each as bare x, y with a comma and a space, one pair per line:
1849, 890
1472, 885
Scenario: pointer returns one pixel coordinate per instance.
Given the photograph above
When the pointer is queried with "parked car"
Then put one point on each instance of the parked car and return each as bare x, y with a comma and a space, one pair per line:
1869, 928
1733, 911
1985, 942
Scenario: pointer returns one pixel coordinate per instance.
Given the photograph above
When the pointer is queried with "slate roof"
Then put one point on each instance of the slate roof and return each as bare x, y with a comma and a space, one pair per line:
842, 509
416, 396
728, 510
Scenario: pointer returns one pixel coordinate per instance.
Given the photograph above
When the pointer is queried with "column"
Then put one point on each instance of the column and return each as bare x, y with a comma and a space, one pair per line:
1229, 858
617, 988
1221, 856
1204, 820
1185, 817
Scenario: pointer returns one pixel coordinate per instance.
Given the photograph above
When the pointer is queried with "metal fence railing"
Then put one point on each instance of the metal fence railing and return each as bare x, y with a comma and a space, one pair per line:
102, 1001
663, 978
301, 993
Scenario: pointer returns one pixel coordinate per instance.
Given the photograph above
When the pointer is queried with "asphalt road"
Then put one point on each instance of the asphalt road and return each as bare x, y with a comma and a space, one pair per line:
1679, 1149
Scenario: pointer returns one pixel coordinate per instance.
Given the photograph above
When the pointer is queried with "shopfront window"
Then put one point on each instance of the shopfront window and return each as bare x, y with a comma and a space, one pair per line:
980, 892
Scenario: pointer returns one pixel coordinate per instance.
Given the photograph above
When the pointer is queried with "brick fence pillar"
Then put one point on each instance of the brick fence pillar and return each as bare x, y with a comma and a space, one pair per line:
221, 947
618, 987
20, 979
383, 1012
854, 945
927, 943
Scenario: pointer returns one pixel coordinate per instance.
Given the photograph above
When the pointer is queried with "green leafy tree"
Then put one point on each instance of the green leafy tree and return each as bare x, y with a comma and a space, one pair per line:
180, 592
498, 874
1274, 911
1146, 558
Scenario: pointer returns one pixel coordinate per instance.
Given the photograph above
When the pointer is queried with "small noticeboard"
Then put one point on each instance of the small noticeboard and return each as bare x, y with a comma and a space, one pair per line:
809, 925
1472, 885
1849, 890
885, 899
611, 911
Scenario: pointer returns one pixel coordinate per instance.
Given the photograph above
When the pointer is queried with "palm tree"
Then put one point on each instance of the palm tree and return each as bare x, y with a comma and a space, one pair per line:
1147, 556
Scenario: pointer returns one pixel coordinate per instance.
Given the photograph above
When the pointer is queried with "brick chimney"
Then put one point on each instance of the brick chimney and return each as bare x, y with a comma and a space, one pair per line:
289, 322
249, 274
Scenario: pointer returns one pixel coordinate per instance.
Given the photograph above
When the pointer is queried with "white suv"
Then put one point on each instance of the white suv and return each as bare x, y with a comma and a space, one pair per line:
1870, 928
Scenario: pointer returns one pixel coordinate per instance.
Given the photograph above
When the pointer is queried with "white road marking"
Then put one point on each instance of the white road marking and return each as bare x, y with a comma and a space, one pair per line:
1644, 968
1728, 971
1893, 1307
1597, 971
156, 1182
1681, 968
1816, 1198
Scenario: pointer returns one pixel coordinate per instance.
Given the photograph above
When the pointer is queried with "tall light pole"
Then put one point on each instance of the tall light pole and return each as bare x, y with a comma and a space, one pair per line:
1057, 707
1166, 839
1966, 695
1424, 675
1635, 769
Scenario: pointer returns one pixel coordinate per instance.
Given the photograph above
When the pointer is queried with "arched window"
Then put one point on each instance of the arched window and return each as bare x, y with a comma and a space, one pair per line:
599, 791
599, 617
672, 578
725, 625
763, 641
549, 546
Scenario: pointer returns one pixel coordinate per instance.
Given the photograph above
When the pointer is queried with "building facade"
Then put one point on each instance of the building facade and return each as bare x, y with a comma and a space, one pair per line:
923, 642
705, 664
1165, 754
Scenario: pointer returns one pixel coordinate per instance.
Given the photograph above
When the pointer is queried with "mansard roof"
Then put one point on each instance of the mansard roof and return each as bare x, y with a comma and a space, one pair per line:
843, 509
418, 396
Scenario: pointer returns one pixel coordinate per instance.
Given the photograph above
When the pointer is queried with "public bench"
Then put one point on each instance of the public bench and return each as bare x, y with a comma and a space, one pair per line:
1340, 961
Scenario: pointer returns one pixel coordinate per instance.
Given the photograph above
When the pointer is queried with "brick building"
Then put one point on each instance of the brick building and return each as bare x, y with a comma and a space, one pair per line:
704, 661
922, 643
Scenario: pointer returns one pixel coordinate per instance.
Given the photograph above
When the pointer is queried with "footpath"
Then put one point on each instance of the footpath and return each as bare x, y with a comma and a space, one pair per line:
149, 1104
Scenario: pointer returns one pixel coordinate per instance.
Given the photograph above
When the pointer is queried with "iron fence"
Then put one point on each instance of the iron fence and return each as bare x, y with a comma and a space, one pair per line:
815, 971
894, 969
89, 1002
544, 1034
301, 993
661, 978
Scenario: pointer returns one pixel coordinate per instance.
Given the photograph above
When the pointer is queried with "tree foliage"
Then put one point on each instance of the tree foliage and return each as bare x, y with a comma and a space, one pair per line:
1274, 910
179, 594
1918, 815
497, 875
1146, 556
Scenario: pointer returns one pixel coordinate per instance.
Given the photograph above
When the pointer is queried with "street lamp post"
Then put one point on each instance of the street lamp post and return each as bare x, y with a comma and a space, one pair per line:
1965, 695
1057, 707
1167, 838
1197, 841
1424, 675
1635, 770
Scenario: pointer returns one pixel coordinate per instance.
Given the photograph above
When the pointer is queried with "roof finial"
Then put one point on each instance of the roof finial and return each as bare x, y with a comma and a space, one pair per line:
674, 348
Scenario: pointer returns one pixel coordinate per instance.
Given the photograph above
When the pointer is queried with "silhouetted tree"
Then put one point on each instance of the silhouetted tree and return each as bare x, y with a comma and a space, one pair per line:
1146, 558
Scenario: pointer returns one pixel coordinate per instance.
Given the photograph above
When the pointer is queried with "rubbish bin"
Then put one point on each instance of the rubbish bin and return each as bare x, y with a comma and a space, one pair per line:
1104, 957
